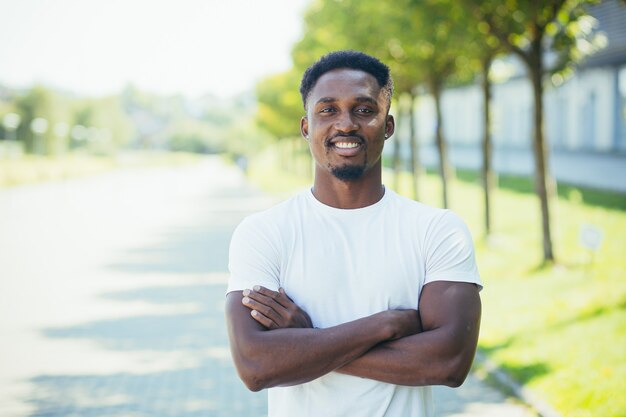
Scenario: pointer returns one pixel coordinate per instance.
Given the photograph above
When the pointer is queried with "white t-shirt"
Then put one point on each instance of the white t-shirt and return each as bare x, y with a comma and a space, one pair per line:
340, 265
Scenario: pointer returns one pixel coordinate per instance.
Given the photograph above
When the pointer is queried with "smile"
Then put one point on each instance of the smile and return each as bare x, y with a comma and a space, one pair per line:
346, 145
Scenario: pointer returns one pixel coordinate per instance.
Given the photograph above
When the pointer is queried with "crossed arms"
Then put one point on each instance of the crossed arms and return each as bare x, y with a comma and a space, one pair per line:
273, 342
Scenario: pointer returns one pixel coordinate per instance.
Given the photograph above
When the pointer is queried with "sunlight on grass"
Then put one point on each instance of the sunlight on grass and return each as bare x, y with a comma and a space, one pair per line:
559, 329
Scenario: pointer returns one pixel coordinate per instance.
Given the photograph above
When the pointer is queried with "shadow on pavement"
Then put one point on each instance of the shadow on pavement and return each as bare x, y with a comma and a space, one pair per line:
210, 387
205, 383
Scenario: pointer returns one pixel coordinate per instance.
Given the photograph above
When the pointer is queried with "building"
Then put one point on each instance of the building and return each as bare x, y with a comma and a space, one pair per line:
585, 116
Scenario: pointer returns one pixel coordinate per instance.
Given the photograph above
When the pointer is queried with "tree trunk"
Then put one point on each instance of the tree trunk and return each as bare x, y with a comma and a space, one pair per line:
444, 168
415, 163
487, 172
543, 186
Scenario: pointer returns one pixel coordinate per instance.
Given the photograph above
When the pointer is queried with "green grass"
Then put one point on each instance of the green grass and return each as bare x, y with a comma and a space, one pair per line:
29, 169
558, 329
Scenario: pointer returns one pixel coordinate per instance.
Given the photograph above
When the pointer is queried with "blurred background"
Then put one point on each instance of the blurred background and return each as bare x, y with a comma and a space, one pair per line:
134, 136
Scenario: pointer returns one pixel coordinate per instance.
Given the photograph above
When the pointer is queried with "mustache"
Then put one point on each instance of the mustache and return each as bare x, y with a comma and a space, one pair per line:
328, 141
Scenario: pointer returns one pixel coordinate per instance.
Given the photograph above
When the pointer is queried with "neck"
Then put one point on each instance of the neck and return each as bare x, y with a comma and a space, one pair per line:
336, 193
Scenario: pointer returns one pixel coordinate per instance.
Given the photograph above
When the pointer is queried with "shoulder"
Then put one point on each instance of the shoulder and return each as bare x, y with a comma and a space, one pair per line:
423, 213
432, 224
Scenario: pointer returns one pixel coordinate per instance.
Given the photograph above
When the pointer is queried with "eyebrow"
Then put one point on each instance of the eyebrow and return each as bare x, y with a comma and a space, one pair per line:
366, 99
360, 99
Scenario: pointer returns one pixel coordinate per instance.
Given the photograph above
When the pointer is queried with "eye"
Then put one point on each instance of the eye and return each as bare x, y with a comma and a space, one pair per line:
364, 110
327, 110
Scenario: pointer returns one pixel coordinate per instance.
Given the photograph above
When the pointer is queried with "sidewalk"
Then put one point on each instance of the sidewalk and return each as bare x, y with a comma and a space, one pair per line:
588, 169
112, 298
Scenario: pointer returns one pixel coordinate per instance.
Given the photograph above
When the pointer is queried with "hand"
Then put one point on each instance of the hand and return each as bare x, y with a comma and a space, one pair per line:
275, 310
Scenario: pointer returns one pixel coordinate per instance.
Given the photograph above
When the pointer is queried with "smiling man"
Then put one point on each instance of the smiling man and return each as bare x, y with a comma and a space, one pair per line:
348, 299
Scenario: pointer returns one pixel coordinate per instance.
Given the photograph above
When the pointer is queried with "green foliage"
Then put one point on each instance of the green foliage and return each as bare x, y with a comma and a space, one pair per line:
110, 125
419, 40
562, 26
203, 125
193, 136
279, 170
106, 126
279, 105
40, 102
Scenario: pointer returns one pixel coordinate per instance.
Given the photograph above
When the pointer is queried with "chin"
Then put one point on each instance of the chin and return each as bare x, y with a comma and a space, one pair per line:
348, 172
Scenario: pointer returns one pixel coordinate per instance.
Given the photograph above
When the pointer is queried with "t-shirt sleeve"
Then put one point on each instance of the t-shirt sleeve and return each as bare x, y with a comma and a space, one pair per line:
253, 257
450, 251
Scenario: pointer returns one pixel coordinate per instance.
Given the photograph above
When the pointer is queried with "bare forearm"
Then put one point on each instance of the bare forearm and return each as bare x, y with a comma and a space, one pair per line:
424, 359
284, 357
288, 356
440, 355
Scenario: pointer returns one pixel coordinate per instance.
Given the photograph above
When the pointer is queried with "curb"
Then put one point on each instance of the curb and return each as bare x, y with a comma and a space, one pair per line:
538, 405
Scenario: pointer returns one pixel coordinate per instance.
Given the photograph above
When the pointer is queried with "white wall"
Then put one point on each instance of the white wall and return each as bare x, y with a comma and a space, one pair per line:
578, 114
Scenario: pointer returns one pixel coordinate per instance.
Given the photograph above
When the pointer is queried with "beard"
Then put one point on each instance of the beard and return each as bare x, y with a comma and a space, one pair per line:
348, 172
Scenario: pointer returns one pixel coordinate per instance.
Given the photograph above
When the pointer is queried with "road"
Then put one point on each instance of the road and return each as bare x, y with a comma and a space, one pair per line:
112, 298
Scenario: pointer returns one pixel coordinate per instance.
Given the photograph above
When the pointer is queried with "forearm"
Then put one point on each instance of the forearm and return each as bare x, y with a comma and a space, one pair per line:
440, 355
285, 357
288, 356
428, 358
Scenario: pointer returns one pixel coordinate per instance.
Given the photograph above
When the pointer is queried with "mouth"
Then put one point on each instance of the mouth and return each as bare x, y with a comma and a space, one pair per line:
346, 145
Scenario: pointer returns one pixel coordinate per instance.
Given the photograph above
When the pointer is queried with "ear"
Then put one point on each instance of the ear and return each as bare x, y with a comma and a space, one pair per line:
304, 127
390, 126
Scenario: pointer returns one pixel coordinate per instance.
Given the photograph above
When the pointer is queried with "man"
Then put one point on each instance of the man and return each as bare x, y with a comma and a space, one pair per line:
322, 304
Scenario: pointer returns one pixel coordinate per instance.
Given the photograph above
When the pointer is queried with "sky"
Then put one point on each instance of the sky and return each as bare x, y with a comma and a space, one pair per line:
193, 47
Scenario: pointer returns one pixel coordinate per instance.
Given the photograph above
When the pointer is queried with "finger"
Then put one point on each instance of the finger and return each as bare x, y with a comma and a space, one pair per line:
267, 311
270, 300
281, 290
280, 297
265, 291
264, 320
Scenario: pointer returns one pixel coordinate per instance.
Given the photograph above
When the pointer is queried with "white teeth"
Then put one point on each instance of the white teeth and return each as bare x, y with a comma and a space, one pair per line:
346, 145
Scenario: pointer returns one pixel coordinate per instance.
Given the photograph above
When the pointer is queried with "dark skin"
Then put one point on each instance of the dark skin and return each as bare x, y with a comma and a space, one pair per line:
439, 354
272, 339
347, 106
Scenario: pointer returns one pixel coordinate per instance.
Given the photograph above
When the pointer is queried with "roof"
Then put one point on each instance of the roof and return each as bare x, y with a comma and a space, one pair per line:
611, 15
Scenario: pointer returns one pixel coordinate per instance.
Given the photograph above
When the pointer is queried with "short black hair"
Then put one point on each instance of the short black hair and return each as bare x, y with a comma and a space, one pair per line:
347, 59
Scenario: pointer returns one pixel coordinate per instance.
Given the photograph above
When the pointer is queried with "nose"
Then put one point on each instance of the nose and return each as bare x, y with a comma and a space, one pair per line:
346, 123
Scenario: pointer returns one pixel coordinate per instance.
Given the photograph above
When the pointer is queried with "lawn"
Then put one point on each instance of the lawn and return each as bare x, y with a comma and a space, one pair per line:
558, 329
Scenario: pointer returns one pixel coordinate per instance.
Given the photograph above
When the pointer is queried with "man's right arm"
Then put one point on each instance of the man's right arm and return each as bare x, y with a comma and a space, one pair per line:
290, 356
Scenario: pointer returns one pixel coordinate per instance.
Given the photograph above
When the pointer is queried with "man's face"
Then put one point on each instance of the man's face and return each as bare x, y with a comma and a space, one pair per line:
346, 123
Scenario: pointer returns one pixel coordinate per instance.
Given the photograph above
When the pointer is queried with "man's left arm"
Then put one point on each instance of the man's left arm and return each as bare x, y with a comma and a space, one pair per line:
442, 353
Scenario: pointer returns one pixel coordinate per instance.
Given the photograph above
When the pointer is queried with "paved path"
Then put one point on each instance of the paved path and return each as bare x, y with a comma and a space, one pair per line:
112, 293
589, 169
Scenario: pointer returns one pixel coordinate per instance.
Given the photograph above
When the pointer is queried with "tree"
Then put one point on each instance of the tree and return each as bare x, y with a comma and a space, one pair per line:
107, 117
528, 29
439, 29
279, 112
481, 49
279, 104
487, 147
40, 102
